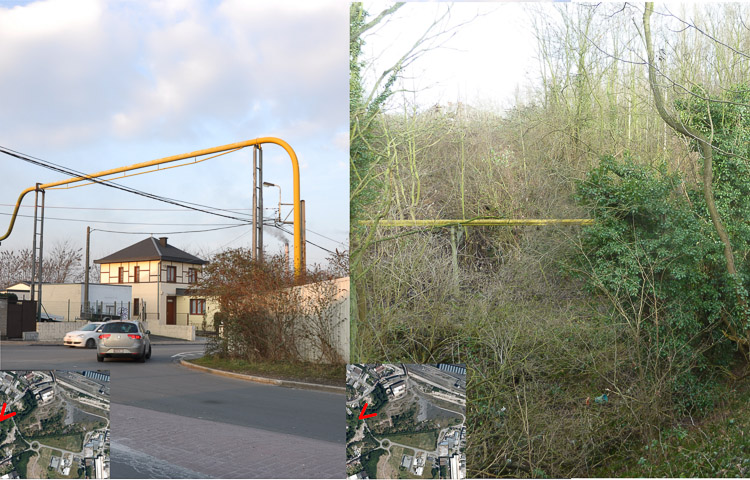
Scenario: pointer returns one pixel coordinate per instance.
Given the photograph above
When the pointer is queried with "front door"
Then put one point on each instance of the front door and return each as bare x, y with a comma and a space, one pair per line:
171, 311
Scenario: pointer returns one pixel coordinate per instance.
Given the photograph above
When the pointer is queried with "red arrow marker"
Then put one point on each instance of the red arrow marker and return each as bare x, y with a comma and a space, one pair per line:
3, 416
362, 415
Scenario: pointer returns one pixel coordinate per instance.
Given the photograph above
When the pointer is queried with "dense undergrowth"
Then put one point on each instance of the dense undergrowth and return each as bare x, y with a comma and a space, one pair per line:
550, 318
614, 349
715, 446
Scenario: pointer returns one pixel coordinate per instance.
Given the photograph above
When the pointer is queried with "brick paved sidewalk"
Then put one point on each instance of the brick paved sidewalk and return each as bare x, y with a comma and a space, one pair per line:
221, 450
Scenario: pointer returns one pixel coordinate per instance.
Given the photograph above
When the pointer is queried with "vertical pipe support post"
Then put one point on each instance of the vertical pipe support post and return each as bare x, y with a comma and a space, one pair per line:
41, 259
259, 189
33, 244
86, 275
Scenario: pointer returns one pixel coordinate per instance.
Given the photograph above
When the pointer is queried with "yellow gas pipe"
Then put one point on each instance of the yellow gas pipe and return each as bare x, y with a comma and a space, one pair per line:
298, 266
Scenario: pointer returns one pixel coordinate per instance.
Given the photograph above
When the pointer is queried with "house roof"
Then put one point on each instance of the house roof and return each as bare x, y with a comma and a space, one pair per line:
151, 249
20, 286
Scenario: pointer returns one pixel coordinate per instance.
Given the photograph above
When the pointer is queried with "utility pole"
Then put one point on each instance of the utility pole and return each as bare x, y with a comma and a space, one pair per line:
36, 267
87, 310
257, 238
33, 248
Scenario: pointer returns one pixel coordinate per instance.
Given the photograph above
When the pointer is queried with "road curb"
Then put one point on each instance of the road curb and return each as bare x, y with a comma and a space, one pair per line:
266, 380
60, 344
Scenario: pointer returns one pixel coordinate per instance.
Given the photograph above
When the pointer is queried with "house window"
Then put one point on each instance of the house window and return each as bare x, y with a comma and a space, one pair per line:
172, 274
197, 307
192, 275
136, 306
136, 274
120, 271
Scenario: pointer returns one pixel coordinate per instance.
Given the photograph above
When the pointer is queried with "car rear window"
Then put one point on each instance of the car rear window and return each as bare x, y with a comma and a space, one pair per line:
120, 327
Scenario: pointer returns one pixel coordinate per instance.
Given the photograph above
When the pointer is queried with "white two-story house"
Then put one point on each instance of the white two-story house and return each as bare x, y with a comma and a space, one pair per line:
159, 275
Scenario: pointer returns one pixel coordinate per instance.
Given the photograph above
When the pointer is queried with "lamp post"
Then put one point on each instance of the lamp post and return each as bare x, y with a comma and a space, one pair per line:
269, 184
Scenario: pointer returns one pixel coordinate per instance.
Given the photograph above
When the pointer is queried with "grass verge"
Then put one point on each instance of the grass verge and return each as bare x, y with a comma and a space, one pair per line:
716, 446
301, 371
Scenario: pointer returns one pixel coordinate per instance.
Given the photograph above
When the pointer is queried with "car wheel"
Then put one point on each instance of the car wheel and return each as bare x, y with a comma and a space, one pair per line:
148, 355
90, 343
99, 358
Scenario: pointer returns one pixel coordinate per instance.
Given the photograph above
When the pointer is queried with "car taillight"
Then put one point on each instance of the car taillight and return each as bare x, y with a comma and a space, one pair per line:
106, 335
137, 337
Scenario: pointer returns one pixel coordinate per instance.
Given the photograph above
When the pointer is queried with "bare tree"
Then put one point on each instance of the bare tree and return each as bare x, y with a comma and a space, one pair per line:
368, 179
62, 264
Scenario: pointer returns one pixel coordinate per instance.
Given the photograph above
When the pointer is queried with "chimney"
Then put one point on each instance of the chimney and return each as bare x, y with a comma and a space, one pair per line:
163, 241
286, 256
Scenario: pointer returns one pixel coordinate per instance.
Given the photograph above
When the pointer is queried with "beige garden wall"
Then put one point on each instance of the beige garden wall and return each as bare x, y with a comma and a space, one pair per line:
55, 331
333, 323
184, 332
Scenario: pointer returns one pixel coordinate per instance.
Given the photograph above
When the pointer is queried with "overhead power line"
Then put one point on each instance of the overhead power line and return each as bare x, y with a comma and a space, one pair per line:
306, 240
83, 220
74, 173
69, 207
180, 203
170, 233
323, 236
185, 210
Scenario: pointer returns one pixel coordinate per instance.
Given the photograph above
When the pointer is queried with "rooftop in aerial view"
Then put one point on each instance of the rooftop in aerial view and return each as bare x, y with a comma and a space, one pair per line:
405, 421
56, 424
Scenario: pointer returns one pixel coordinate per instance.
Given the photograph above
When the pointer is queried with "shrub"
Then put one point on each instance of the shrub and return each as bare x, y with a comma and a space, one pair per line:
12, 298
265, 314
660, 264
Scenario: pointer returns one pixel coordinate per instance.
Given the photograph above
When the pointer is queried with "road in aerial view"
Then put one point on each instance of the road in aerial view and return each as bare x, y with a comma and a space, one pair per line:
172, 422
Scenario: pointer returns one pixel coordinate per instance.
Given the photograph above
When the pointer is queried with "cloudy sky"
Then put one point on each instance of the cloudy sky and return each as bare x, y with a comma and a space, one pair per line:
95, 84
486, 57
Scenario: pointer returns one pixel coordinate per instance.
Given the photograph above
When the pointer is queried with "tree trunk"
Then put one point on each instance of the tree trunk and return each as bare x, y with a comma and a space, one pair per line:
708, 195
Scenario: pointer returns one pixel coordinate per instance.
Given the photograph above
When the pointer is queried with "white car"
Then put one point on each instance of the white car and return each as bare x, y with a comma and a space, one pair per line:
85, 337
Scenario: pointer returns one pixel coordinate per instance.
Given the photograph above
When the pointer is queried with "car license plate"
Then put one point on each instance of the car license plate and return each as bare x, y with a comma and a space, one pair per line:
120, 350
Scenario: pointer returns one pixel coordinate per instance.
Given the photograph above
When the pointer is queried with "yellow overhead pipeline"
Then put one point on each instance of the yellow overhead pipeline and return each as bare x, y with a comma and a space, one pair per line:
157, 169
298, 267
481, 222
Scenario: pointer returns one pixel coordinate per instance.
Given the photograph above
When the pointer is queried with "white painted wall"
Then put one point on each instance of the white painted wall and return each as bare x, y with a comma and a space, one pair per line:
65, 299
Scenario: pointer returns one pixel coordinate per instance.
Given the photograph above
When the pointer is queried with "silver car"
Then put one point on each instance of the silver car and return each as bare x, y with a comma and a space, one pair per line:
124, 338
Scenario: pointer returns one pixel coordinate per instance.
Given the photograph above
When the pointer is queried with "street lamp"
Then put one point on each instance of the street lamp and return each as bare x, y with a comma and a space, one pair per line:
269, 184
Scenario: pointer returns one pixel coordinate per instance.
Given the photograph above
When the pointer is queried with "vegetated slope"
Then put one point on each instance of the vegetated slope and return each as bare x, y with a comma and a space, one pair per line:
516, 308
549, 320
717, 445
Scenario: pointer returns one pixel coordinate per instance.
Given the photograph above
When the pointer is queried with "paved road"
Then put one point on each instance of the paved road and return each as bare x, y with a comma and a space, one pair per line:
188, 423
